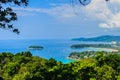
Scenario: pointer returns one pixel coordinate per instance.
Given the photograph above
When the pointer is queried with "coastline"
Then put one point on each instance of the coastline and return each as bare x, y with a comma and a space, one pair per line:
113, 50
108, 49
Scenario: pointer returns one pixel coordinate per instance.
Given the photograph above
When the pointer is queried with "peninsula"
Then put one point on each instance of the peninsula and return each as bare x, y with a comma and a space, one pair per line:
104, 38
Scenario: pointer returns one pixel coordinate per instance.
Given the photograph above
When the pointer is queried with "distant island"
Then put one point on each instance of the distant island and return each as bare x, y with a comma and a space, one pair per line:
35, 47
105, 38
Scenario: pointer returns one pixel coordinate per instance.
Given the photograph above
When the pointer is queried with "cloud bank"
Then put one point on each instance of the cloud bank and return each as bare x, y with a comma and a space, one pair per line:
108, 13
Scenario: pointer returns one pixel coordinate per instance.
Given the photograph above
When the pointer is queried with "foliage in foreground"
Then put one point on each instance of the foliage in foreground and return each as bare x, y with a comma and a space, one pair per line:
24, 66
8, 15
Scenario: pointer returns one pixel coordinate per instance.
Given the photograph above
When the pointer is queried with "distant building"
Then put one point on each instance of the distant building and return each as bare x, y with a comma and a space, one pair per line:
115, 43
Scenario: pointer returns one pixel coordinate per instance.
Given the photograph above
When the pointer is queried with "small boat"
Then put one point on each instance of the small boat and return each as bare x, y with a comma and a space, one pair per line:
35, 47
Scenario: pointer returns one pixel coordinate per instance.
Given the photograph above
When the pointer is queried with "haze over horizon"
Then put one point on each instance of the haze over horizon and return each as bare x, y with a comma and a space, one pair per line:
56, 19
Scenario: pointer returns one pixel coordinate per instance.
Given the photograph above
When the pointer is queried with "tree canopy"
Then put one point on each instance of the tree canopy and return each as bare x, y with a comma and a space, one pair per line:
24, 66
8, 15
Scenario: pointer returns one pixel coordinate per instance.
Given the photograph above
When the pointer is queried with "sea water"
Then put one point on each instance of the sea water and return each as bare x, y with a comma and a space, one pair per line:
57, 49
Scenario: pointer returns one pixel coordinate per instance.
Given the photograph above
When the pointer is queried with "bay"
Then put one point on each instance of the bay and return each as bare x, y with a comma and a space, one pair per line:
53, 48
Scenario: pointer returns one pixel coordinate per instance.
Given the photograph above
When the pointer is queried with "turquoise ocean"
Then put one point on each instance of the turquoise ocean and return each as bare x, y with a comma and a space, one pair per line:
53, 48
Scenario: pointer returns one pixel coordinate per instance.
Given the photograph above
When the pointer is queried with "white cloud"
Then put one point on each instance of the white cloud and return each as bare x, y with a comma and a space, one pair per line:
115, 1
108, 13
98, 9
63, 11
112, 23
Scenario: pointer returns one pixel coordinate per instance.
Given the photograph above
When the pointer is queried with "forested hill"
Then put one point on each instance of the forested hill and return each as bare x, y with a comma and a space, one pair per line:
105, 38
24, 66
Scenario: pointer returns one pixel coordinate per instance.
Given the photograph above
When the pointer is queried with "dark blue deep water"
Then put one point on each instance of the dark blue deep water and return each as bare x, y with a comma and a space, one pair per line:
57, 49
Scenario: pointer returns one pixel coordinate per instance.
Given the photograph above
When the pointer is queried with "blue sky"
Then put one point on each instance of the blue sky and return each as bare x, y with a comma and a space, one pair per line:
59, 19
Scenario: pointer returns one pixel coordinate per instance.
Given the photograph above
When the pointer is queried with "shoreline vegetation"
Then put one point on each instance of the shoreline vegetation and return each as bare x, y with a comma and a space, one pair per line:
88, 54
104, 48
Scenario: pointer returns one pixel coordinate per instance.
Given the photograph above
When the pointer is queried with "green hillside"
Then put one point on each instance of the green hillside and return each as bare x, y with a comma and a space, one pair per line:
105, 38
